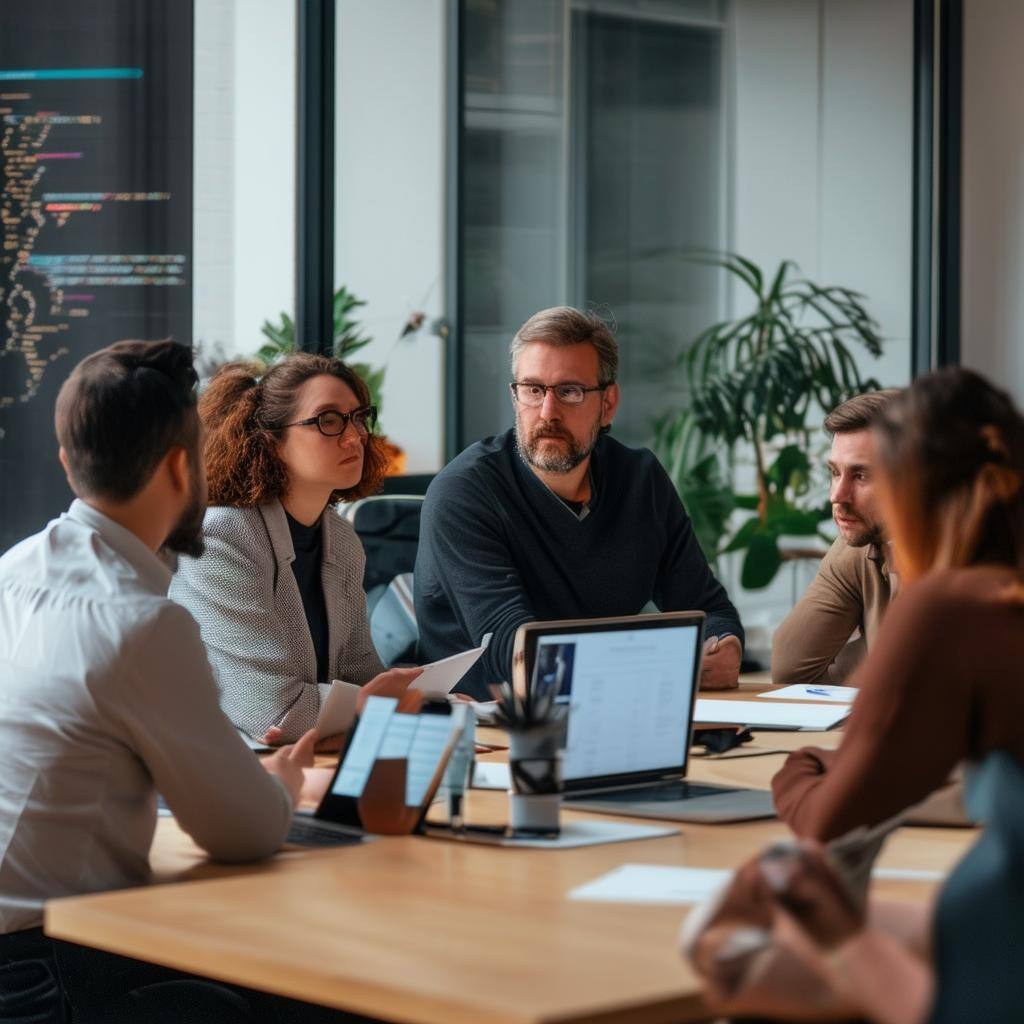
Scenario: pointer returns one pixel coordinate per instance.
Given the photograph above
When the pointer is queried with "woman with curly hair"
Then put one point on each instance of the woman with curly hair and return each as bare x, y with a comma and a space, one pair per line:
278, 592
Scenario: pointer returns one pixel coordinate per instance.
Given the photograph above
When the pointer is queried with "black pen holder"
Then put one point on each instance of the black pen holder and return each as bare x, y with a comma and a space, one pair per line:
535, 767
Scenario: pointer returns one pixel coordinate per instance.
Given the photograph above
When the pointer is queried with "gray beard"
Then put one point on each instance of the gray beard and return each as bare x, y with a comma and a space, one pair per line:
560, 462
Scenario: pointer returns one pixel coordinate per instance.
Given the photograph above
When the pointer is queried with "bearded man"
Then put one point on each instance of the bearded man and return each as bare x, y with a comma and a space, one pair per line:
833, 625
555, 519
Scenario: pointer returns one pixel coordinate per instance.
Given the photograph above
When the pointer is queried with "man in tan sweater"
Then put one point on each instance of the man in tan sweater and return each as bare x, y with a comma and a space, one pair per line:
836, 621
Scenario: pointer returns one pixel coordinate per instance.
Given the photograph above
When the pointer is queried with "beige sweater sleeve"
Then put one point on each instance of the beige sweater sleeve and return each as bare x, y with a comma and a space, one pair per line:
818, 628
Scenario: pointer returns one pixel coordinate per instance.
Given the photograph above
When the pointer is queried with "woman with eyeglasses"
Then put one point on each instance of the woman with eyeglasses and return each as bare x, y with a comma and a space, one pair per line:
278, 591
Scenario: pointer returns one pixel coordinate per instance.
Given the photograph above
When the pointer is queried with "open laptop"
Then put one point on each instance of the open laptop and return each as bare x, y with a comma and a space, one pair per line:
630, 684
363, 785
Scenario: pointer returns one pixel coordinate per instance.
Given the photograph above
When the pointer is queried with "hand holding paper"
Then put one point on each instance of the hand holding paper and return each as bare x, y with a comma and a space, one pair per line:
441, 676
345, 700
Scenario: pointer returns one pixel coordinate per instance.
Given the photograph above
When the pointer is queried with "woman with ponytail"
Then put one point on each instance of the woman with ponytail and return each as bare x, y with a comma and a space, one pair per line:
944, 685
278, 592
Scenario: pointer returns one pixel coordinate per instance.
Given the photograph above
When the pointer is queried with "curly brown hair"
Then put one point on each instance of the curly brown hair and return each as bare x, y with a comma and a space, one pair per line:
243, 409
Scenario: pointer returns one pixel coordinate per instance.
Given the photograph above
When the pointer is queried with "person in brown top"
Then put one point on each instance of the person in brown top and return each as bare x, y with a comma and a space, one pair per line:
939, 684
853, 587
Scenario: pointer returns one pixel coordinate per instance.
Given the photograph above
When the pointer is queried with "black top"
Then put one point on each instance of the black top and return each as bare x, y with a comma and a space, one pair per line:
498, 548
309, 546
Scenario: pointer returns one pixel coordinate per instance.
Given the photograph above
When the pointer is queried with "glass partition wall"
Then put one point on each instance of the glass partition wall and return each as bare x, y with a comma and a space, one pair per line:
592, 164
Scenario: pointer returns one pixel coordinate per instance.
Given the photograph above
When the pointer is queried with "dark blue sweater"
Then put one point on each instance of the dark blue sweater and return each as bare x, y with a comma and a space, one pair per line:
498, 548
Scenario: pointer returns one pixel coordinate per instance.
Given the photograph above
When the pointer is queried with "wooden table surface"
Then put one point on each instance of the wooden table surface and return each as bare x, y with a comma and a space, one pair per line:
424, 930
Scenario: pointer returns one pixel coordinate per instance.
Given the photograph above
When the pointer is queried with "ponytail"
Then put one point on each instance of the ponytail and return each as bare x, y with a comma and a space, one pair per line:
238, 452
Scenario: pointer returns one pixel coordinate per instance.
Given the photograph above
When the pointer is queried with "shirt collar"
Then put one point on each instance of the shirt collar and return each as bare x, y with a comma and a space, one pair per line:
877, 554
152, 572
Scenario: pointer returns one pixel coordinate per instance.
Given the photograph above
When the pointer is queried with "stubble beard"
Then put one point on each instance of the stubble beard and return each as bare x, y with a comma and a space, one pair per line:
187, 536
867, 534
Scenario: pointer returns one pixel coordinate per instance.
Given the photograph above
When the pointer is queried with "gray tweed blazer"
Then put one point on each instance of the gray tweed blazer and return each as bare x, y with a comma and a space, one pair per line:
243, 594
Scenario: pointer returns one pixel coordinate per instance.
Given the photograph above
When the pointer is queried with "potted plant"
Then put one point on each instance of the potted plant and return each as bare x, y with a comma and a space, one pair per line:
754, 381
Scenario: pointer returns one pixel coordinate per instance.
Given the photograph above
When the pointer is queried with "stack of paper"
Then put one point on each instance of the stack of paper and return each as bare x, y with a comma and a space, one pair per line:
757, 715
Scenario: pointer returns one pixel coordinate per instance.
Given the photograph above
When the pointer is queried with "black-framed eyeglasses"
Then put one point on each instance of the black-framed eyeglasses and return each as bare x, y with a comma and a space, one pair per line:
532, 395
332, 423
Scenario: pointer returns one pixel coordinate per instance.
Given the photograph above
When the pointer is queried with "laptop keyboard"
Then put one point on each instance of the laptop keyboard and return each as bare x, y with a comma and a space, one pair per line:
310, 832
659, 792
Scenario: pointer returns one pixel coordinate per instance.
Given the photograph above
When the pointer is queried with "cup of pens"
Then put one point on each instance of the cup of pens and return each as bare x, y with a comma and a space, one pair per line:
536, 728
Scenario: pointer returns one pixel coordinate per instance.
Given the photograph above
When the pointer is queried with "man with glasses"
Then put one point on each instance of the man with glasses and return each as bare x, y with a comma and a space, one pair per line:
555, 519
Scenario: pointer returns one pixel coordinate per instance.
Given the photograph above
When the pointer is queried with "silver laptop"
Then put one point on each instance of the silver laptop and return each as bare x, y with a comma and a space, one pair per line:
630, 684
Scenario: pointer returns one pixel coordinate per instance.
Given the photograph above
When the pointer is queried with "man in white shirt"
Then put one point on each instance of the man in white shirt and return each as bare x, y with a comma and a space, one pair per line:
107, 697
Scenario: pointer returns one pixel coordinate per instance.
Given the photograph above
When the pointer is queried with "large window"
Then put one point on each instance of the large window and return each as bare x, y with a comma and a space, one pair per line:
245, 70
592, 164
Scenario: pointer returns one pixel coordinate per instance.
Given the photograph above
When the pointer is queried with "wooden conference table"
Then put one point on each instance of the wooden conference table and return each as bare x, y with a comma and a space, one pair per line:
422, 930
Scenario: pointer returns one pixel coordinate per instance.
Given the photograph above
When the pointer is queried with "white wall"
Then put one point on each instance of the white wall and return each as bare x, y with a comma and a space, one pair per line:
822, 143
390, 186
244, 220
992, 314
822, 122
213, 305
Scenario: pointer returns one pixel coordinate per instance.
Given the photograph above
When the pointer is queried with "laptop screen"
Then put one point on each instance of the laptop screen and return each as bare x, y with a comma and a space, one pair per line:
630, 693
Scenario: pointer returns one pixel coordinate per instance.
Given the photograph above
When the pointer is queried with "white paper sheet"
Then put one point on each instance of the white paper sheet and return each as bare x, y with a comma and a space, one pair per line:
758, 715
338, 711
653, 883
491, 775
441, 676
820, 692
908, 875
658, 883
483, 710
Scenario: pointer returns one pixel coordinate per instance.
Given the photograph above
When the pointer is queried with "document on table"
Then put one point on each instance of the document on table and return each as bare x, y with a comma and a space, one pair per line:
758, 715
822, 692
483, 710
491, 775
441, 676
653, 883
659, 883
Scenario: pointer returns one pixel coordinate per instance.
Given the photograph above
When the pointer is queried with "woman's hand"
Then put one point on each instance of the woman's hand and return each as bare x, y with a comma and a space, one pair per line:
745, 906
392, 683
805, 885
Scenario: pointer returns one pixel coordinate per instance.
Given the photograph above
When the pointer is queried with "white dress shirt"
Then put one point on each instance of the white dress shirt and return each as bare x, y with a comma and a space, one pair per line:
106, 698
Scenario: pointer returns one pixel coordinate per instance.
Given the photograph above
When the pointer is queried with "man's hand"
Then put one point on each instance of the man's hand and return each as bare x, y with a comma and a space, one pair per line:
721, 667
288, 763
314, 784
